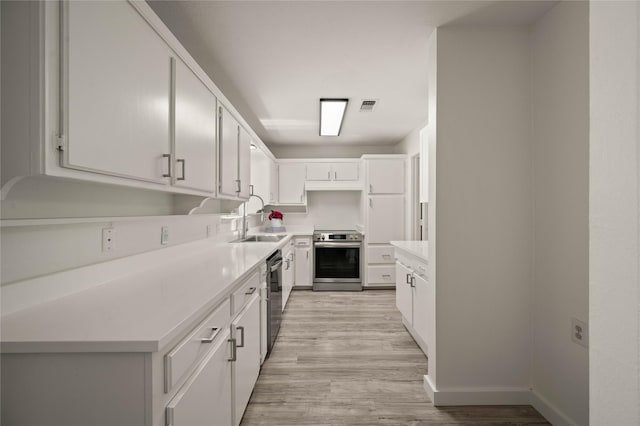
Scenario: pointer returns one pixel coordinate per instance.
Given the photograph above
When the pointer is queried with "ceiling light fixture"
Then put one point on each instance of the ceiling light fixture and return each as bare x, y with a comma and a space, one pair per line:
253, 146
331, 116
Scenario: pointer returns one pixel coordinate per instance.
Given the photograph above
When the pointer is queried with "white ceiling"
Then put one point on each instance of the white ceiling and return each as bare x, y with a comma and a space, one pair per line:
274, 60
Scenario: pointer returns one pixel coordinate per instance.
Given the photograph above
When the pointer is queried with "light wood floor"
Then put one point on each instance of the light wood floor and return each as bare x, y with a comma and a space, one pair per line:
344, 358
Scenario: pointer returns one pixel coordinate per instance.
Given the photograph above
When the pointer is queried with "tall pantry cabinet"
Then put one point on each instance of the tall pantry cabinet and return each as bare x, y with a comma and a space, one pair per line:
384, 215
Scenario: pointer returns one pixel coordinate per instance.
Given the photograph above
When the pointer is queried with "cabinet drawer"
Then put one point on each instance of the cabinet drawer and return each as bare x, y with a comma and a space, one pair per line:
302, 241
205, 399
195, 345
416, 266
380, 254
381, 274
244, 293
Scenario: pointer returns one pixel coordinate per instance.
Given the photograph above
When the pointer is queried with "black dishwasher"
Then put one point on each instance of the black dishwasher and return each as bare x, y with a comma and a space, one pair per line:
274, 298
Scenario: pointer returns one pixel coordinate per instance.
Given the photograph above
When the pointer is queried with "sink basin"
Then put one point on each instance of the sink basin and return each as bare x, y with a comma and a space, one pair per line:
261, 239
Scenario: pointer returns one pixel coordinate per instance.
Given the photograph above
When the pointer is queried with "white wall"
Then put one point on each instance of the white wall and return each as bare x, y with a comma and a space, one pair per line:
330, 151
329, 210
614, 192
560, 148
484, 220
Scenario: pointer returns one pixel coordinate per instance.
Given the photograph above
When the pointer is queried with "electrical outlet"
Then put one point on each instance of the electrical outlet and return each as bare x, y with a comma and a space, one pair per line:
210, 231
108, 235
579, 332
164, 238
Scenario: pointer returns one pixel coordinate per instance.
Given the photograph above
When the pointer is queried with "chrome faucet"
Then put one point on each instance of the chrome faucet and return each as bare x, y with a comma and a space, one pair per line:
244, 212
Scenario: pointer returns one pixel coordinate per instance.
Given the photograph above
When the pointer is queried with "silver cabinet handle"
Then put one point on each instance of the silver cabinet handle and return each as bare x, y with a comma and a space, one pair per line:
241, 328
234, 351
238, 182
307, 254
370, 189
335, 175
386, 275
370, 203
214, 333
250, 189
251, 291
408, 280
168, 157
386, 256
413, 281
184, 167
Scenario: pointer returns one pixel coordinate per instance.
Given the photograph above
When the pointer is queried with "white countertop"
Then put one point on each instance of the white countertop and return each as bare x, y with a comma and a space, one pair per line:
138, 308
416, 248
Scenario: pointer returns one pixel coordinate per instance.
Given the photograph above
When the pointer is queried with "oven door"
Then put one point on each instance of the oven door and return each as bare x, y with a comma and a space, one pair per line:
337, 262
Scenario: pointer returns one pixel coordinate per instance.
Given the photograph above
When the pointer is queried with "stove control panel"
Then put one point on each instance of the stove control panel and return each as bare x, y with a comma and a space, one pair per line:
337, 236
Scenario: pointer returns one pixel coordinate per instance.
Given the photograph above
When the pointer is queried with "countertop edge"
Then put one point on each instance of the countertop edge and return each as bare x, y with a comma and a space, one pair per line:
158, 343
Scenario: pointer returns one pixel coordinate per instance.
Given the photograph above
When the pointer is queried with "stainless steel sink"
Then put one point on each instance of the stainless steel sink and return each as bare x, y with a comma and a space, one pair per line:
260, 239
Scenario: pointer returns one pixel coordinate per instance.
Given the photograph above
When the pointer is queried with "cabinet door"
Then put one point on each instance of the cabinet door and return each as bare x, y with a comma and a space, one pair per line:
205, 399
385, 219
346, 171
288, 275
420, 307
291, 183
228, 147
273, 183
303, 267
404, 292
118, 93
319, 171
424, 165
195, 132
244, 163
385, 176
260, 175
246, 332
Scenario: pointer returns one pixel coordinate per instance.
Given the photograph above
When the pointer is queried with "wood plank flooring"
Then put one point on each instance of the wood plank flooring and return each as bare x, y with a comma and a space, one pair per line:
344, 358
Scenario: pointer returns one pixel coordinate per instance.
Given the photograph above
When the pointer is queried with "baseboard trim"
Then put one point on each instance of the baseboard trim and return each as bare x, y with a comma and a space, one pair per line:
550, 411
476, 396
490, 396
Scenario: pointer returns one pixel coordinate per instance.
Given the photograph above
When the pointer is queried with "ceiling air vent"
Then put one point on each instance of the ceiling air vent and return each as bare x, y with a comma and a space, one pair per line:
368, 105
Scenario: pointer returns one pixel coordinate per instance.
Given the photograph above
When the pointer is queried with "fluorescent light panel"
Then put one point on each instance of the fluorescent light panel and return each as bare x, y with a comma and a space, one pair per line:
331, 116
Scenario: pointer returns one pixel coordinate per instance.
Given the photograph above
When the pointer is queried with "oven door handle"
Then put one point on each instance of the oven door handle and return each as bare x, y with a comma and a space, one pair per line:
333, 245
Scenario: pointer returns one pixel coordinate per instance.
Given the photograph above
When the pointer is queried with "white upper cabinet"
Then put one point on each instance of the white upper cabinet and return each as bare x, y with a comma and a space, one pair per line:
244, 163
228, 151
385, 219
385, 176
260, 179
235, 156
274, 182
195, 132
338, 171
291, 183
424, 165
346, 171
318, 171
118, 93
113, 97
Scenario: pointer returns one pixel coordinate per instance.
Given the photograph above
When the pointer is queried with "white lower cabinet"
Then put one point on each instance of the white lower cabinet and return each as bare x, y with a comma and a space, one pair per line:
415, 299
303, 261
205, 399
404, 292
246, 356
288, 272
204, 377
